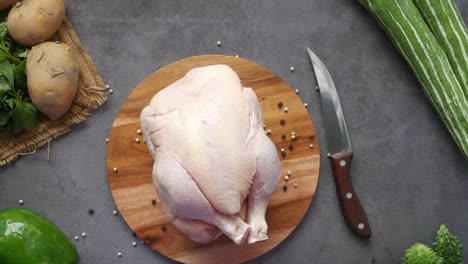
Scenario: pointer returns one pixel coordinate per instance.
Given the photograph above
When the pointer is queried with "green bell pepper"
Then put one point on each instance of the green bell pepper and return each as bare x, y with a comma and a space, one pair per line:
27, 238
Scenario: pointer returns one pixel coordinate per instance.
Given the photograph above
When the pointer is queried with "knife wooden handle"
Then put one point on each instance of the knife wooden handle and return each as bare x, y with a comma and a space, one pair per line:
350, 205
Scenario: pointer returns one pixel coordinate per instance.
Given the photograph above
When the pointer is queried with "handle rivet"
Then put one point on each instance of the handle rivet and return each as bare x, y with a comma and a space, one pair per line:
349, 195
361, 226
343, 163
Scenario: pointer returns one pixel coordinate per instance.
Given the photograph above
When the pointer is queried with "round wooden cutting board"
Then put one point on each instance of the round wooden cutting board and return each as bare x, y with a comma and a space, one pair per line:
131, 183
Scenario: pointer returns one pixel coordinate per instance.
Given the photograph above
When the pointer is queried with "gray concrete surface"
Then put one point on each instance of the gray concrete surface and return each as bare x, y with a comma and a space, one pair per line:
408, 172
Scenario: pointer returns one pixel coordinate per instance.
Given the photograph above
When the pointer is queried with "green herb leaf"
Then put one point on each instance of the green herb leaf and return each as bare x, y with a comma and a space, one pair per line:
16, 108
21, 81
5, 88
3, 30
3, 56
7, 69
24, 116
4, 116
5, 45
10, 103
19, 52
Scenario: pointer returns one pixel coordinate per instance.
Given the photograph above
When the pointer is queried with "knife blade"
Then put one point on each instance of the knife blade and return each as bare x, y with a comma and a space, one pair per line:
340, 150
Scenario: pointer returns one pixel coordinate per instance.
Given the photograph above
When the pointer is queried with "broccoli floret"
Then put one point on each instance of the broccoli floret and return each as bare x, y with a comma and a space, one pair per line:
448, 247
421, 254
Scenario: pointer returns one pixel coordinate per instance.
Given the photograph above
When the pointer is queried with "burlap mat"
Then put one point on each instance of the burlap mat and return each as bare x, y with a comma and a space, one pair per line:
90, 95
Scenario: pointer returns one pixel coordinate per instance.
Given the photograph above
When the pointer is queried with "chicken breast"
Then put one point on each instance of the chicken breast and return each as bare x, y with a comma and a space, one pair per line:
205, 135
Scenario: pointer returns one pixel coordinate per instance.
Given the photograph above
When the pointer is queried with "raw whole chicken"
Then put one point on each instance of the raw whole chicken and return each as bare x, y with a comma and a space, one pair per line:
210, 154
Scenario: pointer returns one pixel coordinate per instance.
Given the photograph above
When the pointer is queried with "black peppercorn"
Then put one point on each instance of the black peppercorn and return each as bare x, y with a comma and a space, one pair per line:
280, 104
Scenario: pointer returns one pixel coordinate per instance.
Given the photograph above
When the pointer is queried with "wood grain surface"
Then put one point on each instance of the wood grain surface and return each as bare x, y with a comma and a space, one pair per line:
131, 183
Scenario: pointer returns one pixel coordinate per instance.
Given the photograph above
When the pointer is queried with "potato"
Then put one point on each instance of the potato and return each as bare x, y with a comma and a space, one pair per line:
31, 22
53, 73
4, 4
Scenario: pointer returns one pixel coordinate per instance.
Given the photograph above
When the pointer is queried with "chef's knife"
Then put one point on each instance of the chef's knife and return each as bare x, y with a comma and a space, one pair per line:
339, 148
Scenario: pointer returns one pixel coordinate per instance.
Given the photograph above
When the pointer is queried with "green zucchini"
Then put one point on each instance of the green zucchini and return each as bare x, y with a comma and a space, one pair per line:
409, 33
447, 26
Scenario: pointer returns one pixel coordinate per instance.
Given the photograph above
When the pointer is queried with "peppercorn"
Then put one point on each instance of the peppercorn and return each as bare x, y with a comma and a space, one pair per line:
285, 187
283, 136
282, 122
153, 202
291, 147
164, 228
280, 104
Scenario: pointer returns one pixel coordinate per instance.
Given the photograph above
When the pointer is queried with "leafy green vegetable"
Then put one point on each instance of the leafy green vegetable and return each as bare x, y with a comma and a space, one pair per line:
6, 69
3, 119
3, 30
16, 109
421, 254
5, 46
19, 52
21, 81
24, 116
5, 88
448, 247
